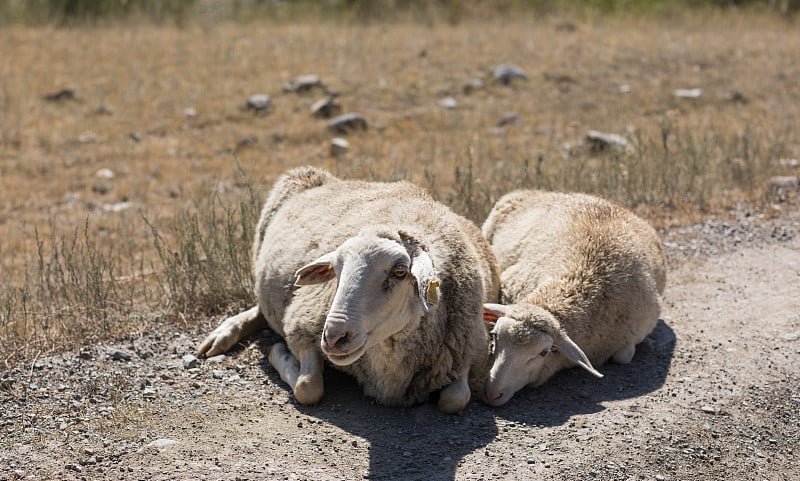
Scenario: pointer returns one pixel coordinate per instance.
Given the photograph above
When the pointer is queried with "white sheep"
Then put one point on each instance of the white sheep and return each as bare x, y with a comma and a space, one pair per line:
404, 318
581, 277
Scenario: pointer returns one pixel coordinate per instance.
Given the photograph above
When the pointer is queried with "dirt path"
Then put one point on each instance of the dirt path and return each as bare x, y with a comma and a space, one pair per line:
714, 392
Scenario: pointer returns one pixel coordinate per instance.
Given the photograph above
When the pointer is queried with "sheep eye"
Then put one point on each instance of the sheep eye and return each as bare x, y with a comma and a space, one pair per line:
399, 272
544, 353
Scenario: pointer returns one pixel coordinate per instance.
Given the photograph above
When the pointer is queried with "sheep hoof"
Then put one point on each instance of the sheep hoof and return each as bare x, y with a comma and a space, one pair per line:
308, 390
625, 354
454, 397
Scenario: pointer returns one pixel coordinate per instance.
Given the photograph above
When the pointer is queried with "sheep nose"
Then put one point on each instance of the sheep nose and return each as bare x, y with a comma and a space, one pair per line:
492, 397
335, 339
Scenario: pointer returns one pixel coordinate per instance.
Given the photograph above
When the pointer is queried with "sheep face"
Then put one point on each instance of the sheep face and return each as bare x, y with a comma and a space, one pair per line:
527, 341
384, 287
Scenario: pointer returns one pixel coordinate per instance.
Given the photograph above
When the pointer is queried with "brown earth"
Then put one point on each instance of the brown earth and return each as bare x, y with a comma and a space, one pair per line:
712, 393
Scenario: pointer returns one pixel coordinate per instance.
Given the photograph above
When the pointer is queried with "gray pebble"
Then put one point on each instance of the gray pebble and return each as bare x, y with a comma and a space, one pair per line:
348, 122
189, 361
216, 359
121, 355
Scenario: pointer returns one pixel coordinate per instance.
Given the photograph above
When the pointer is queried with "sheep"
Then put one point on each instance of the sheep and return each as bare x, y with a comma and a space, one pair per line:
405, 317
581, 278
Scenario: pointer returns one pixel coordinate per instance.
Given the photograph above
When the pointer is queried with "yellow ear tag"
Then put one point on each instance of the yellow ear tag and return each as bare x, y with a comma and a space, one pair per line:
432, 293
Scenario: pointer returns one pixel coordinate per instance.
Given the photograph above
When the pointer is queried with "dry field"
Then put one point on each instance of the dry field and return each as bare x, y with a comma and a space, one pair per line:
160, 108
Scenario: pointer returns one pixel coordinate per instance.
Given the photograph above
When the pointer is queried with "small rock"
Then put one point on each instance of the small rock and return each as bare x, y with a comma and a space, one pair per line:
216, 359
189, 361
348, 122
406, 454
326, 108
59, 95
339, 147
189, 113
448, 103
259, 103
104, 173
737, 97
507, 72
246, 142
74, 467
218, 373
624, 89
121, 355
135, 136
149, 393
687, 93
103, 110
161, 443
117, 207
510, 118
708, 409
530, 461
791, 336
304, 83
660, 477
87, 137
473, 85
600, 141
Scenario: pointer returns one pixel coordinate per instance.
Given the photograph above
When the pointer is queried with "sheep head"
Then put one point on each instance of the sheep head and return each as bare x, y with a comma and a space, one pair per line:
524, 338
386, 283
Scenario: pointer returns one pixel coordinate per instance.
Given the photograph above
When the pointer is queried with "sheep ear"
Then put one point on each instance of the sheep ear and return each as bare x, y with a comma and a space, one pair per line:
568, 348
492, 312
317, 272
427, 282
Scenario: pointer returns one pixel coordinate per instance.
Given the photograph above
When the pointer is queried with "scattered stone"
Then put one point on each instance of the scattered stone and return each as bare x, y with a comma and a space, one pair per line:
660, 477
73, 467
507, 72
259, 103
135, 136
103, 110
246, 142
339, 147
101, 188
473, 85
216, 359
189, 113
510, 118
87, 137
117, 207
217, 373
149, 393
346, 123
737, 97
60, 95
708, 409
624, 89
789, 162
161, 443
687, 93
600, 141
303, 84
121, 355
448, 103
326, 108
406, 454
85, 354
791, 336
189, 361
104, 174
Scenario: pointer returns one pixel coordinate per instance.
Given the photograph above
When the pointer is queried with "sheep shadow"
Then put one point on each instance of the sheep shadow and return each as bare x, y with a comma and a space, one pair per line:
574, 391
411, 443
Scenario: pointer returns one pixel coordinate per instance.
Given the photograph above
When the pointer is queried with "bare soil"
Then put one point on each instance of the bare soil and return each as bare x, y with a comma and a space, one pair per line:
712, 393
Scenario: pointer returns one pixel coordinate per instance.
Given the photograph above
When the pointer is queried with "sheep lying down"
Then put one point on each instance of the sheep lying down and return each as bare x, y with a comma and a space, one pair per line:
581, 278
378, 279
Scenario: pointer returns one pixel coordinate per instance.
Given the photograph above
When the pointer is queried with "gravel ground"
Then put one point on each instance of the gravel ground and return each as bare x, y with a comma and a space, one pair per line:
713, 392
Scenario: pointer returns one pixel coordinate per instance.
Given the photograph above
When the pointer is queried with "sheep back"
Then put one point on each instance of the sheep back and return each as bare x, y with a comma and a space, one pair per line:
597, 267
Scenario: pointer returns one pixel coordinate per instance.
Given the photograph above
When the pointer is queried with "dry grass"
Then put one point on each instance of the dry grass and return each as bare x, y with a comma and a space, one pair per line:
75, 270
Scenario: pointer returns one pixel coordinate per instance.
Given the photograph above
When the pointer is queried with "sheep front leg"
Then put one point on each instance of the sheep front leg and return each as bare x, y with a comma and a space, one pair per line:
303, 374
625, 354
455, 397
231, 331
